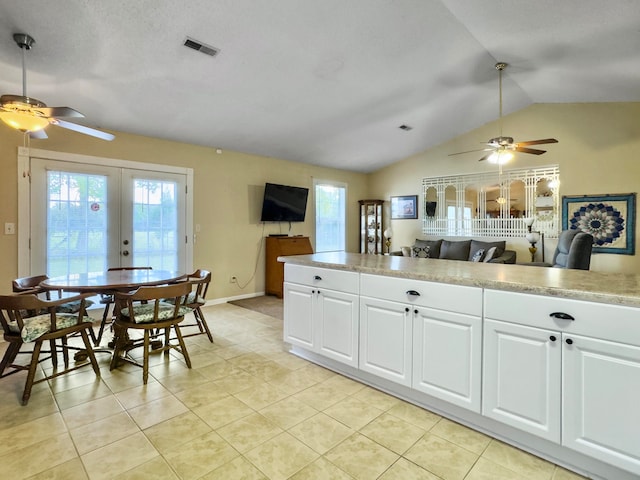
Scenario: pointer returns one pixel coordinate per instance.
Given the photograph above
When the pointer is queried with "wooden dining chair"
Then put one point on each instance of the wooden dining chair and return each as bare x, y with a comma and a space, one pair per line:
200, 280
107, 301
21, 325
156, 315
32, 285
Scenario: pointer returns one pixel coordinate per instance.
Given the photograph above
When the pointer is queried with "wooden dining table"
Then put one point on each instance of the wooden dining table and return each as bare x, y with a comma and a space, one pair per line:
108, 283
111, 281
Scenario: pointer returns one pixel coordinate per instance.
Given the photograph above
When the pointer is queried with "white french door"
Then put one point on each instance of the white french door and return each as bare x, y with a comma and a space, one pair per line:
89, 217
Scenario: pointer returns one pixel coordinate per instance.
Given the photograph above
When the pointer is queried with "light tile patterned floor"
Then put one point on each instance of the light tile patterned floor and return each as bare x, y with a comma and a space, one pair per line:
247, 410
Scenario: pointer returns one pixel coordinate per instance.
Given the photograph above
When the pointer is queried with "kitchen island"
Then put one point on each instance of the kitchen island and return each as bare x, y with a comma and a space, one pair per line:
545, 359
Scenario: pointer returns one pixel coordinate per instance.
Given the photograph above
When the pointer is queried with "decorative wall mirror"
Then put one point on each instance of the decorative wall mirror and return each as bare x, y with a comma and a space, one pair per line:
493, 204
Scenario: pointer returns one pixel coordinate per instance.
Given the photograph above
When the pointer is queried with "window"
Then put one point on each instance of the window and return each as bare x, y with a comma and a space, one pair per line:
330, 200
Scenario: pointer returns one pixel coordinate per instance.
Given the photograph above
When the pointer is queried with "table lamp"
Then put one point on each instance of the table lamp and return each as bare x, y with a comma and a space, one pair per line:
387, 234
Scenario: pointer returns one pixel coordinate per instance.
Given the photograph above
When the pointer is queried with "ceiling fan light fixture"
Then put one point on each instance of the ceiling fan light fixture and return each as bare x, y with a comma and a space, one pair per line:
500, 157
24, 122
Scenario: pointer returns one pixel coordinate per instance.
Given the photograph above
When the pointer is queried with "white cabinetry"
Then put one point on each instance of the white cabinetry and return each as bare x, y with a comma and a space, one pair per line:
423, 334
447, 356
321, 311
385, 339
522, 377
299, 301
601, 415
565, 370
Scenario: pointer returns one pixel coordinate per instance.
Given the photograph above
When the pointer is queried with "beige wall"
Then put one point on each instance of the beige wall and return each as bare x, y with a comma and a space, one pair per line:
227, 199
598, 153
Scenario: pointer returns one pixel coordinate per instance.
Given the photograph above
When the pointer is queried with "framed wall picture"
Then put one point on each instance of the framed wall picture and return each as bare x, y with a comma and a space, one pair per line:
404, 207
611, 219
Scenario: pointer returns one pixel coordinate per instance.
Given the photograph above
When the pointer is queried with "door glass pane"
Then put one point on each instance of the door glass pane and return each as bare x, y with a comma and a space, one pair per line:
330, 217
155, 224
76, 223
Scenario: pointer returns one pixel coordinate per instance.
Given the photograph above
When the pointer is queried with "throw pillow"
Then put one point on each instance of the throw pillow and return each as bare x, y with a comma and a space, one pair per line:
434, 246
455, 250
420, 252
490, 254
478, 256
477, 245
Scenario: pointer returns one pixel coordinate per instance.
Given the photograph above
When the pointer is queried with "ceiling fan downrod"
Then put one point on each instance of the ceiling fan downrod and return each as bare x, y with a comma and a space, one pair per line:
500, 66
24, 41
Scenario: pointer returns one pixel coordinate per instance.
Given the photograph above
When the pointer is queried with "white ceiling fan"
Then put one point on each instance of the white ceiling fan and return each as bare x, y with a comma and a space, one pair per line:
501, 148
32, 116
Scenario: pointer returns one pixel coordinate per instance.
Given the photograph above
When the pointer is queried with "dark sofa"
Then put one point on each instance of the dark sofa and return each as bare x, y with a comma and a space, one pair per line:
469, 250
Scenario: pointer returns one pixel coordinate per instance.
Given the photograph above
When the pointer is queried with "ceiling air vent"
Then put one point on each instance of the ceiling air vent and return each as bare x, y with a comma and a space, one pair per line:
406, 128
201, 47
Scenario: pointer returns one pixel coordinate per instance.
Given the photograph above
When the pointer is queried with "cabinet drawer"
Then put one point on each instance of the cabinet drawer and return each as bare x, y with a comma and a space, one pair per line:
322, 278
607, 322
454, 298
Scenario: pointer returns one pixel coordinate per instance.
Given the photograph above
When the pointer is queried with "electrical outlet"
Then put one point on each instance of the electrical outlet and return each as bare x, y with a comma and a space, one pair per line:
233, 279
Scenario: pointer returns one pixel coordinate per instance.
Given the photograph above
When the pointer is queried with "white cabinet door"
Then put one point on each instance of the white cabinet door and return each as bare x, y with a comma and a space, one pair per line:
601, 415
447, 358
336, 324
521, 378
385, 339
298, 315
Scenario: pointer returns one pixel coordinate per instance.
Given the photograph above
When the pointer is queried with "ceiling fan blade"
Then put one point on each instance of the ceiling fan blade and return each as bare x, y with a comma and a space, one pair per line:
39, 134
534, 151
485, 157
59, 112
471, 151
539, 142
82, 129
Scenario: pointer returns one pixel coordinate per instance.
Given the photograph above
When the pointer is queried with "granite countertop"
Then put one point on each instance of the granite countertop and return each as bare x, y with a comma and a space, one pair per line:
612, 288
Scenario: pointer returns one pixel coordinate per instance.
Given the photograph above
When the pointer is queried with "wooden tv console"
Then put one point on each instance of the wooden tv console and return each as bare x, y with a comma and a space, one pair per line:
281, 246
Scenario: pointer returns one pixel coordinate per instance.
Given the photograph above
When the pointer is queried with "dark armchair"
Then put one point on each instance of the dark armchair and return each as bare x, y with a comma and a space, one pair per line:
573, 251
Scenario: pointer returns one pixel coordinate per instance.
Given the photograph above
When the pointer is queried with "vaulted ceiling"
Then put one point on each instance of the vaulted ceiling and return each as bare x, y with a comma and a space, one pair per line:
324, 82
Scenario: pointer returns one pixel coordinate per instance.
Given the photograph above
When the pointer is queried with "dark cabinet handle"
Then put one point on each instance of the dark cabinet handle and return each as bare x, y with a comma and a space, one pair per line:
406, 309
317, 277
313, 291
413, 293
415, 311
552, 338
561, 316
569, 341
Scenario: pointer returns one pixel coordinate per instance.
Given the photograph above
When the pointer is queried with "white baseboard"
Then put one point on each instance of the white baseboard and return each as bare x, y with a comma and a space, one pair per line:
218, 301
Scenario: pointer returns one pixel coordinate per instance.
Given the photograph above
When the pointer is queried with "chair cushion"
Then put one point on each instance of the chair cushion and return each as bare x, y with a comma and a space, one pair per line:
73, 307
143, 313
35, 327
451, 250
191, 299
477, 245
434, 246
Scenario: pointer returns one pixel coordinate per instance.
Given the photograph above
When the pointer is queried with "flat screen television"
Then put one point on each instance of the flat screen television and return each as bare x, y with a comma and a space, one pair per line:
283, 203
